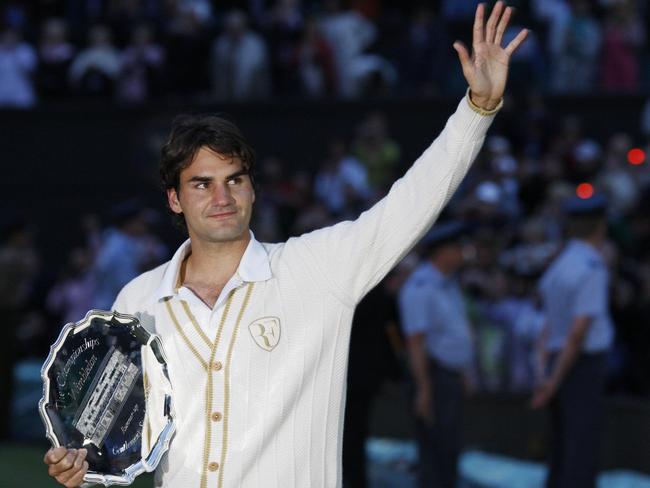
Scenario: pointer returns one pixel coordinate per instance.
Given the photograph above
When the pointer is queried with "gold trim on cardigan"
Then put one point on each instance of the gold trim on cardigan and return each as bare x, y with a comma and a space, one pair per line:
479, 110
186, 339
198, 329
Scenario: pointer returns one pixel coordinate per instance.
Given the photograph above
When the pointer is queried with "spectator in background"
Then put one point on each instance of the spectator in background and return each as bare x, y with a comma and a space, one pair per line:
128, 248
342, 182
55, 56
306, 211
504, 168
313, 60
575, 151
95, 70
187, 45
577, 59
141, 73
72, 295
350, 34
17, 65
519, 308
240, 62
619, 180
440, 349
586, 161
378, 152
423, 54
283, 27
19, 266
551, 209
485, 284
555, 15
519, 314
125, 16
624, 36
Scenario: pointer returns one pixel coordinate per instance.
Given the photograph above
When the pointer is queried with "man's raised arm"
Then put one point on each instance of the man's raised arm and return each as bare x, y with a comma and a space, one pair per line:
352, 257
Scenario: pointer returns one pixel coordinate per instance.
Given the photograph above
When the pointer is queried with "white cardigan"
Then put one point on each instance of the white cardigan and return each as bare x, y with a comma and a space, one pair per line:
266, 410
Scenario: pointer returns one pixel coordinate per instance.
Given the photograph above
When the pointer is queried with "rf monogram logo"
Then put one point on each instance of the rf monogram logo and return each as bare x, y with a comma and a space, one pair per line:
265, 332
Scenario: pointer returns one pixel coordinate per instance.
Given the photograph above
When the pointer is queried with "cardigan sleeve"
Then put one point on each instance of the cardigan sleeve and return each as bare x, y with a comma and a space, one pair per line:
353, 256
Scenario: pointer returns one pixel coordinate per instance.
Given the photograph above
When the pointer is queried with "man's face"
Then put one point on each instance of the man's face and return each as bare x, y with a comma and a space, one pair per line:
216, 198
452, 253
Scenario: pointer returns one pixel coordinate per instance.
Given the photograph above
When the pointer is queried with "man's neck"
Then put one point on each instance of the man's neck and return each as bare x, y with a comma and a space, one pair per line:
594, 241
442, 266
211, 265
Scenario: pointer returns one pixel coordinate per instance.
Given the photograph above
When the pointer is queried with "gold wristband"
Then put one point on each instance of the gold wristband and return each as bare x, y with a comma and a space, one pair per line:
482, 111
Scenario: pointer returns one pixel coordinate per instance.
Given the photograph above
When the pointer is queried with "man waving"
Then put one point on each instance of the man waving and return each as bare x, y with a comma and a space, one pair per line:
257, 334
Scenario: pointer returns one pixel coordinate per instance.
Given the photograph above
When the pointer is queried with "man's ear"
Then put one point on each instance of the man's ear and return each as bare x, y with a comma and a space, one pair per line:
173, 201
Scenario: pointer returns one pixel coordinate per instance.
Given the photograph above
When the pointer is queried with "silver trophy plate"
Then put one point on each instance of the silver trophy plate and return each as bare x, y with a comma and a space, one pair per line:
98, 395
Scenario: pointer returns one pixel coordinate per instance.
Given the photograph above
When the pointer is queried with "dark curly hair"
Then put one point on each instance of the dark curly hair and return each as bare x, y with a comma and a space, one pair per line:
191, 132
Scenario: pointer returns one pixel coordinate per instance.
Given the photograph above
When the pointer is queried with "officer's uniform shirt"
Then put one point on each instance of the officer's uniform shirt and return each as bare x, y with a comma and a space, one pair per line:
259, 379
577, 285
432, 303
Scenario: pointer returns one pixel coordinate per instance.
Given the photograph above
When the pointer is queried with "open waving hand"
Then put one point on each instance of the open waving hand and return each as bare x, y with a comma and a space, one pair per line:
486, 71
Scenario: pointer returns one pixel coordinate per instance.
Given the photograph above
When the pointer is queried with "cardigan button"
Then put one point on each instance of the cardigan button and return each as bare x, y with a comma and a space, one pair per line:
216, 366
213, 466
216, 416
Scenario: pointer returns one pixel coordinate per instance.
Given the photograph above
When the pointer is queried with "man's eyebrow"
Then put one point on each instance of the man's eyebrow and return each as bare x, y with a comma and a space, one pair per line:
241, 172
200, 179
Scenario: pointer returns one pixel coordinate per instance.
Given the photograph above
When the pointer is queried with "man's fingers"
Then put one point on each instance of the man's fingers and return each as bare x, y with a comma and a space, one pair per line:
64, 464
77, 479
73, 477
479, 33
516, 42
463, 55
54, 455
503, 25
492, 22
81, 458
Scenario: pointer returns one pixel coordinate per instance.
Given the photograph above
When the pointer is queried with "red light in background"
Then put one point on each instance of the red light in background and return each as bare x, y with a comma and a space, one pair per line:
636, 156
585, 190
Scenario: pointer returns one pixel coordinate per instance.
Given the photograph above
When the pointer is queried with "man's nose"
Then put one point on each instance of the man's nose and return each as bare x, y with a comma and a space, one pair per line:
221, 195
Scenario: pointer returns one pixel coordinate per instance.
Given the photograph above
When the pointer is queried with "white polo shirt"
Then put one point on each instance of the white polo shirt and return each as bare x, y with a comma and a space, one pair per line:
259, 379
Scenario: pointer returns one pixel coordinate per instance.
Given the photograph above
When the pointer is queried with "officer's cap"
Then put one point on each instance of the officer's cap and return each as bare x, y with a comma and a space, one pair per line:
444, 232
582, 207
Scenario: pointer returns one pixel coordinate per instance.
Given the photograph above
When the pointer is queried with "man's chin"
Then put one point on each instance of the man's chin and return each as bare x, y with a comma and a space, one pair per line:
230, 235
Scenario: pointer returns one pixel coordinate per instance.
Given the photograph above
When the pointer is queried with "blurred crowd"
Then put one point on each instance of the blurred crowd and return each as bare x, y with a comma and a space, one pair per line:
134, 51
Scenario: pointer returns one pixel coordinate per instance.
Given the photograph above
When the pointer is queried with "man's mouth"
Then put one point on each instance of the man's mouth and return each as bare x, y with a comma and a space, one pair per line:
222, 215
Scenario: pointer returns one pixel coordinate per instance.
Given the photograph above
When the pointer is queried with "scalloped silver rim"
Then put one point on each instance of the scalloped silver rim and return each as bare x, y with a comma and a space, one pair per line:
162, 444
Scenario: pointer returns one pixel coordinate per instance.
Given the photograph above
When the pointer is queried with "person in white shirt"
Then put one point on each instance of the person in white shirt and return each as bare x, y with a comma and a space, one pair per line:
257, 334
240, 62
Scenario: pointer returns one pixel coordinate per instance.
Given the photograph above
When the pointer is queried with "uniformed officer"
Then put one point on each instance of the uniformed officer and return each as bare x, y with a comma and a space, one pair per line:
439, 344
576, 338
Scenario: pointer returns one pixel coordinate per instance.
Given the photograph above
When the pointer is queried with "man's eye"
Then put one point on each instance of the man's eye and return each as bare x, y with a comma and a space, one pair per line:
234, 181
201, 186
